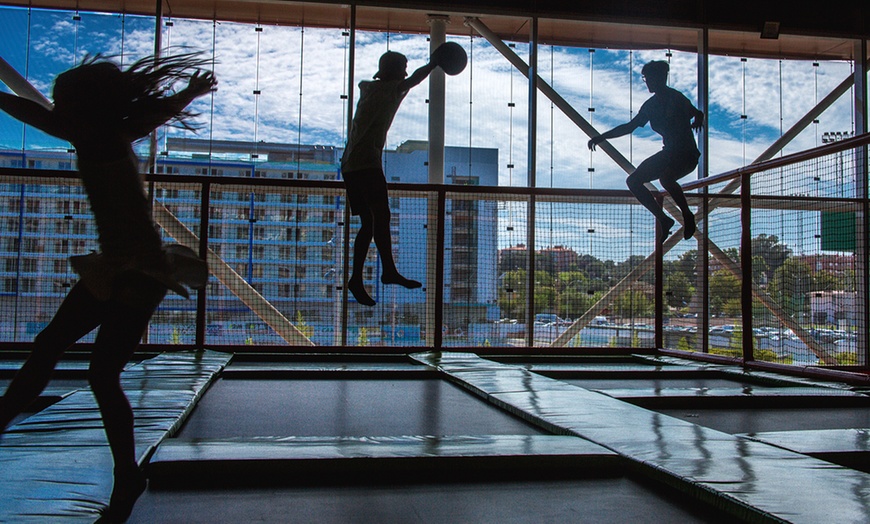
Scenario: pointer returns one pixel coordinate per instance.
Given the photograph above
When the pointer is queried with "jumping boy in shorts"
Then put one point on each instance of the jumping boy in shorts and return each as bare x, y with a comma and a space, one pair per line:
673, 116
362, 167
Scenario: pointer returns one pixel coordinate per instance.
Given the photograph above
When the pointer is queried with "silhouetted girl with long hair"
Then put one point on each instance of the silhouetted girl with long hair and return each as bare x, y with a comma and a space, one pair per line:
102, 109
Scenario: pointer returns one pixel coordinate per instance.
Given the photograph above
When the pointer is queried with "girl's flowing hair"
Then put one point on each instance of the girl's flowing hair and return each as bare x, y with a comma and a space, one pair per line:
150, 80
98, 89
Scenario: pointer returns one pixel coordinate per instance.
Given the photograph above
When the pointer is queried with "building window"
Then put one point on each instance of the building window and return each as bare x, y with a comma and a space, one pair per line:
29, 265
28, 285
32, 245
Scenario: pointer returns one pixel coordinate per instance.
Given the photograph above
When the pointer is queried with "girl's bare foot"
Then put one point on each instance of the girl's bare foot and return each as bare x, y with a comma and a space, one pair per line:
128, 487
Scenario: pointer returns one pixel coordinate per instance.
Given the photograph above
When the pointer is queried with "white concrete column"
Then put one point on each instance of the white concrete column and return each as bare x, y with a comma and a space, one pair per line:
437, 36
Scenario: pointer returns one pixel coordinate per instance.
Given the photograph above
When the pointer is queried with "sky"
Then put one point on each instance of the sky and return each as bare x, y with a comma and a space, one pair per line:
301, 75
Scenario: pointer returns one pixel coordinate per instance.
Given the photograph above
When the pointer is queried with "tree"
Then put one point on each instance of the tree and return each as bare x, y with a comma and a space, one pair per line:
594, 268
760, 270
513, 292
633, 304
573, 303
513, 258
827, 281
678, 289
774, 254
545, 299
624, 268
723, 287
790, 286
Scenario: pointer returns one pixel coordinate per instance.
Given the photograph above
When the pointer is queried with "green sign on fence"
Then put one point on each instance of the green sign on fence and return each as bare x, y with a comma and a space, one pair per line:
838, 231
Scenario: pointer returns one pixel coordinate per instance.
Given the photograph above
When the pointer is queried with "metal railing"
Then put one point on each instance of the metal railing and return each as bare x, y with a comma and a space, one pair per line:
491, 282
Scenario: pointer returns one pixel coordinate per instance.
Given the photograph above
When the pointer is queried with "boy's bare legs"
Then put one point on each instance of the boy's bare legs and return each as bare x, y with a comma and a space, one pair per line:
384, 242
673, 188
375, 224
635, 182
360, 251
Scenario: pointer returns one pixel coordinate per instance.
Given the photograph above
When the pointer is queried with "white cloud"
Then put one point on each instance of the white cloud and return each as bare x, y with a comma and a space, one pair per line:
478, 113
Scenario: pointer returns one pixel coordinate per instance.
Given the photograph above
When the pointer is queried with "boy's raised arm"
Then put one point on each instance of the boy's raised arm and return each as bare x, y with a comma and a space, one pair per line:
416, 77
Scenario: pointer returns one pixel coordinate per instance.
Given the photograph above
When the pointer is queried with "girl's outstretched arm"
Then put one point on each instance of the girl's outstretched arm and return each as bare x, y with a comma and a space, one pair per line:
153, 113
32, 114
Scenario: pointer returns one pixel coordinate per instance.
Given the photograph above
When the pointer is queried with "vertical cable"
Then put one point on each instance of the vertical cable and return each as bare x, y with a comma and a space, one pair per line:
552, 204
781, 111
344, 95
168, 24
77, 18
470, 97
511, 105
26, 75
298, 231
255, 153
630, 103
591, 169
816, 99
743, 116
123, 35
301, 71
214, 25
552, 116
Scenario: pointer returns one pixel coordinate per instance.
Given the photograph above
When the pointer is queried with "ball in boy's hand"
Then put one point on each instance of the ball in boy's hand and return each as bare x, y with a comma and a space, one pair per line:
450, 57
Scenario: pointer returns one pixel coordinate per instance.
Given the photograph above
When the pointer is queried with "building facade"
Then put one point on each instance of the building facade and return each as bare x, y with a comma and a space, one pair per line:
287, 243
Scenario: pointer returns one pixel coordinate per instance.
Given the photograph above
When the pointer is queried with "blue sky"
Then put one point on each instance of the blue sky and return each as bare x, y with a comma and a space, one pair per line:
302, 78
